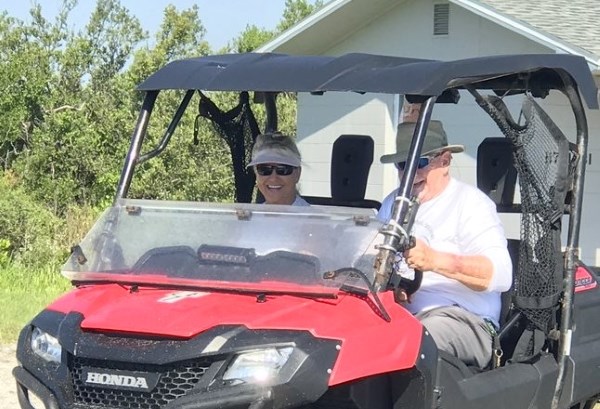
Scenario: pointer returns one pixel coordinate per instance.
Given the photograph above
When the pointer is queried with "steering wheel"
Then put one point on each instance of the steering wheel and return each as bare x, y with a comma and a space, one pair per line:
410, 286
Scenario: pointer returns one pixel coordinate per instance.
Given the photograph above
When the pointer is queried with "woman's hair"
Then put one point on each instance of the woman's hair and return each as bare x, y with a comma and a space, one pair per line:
276, 141
277, 148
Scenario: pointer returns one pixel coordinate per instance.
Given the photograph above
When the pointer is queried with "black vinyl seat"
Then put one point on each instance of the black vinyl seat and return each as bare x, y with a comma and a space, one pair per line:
496, 172
351, 159
497, 177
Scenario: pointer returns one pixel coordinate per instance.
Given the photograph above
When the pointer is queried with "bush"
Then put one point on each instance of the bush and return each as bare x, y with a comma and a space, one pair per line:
4, 252
28, 230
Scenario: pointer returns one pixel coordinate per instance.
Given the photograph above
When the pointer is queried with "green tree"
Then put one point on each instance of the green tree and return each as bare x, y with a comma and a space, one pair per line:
24, 73
187, 171
296, 11
76, 145
69, 108
251, 38
73, 117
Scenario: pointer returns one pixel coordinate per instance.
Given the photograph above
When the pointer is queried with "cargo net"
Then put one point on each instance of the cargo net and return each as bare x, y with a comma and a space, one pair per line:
545, 167
238, 127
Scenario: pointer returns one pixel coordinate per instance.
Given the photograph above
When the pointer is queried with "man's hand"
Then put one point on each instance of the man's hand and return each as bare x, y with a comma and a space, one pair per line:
421, 256
474, 271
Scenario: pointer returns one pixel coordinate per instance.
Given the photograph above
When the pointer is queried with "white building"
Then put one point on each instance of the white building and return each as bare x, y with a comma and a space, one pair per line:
445, 30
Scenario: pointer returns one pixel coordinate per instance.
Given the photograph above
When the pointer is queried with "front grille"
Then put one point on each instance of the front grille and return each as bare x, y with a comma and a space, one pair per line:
176, 380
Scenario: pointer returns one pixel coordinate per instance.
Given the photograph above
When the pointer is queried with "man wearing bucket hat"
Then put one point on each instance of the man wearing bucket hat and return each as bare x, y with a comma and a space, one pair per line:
277, 164
460, 247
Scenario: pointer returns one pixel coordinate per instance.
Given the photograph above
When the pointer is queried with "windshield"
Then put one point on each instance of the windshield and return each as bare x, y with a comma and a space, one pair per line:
237, 246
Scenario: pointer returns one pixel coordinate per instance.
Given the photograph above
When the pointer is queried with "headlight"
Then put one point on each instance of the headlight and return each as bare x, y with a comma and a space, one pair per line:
257, 366
45, 345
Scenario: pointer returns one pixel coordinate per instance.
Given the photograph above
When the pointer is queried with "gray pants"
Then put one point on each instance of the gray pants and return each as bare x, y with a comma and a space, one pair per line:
460, 333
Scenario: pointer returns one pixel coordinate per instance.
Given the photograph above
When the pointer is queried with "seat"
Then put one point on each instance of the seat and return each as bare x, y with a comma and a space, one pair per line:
497, 177
496, 172
351, 159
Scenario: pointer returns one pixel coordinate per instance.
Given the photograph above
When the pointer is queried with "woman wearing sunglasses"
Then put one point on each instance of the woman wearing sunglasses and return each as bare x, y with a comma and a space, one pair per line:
277, 164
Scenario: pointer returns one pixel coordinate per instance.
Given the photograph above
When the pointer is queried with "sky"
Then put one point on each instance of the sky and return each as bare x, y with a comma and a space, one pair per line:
222, 19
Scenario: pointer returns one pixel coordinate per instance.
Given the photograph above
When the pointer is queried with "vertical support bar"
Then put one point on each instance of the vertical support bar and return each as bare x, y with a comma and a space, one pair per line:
271, 108
572, 249
136, 143
414, 152
393, 233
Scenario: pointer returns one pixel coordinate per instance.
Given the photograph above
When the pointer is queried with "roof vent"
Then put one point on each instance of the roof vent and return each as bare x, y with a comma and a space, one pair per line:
441, 19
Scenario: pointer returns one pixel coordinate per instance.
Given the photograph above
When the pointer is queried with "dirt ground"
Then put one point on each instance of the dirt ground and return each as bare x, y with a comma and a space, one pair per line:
8, 392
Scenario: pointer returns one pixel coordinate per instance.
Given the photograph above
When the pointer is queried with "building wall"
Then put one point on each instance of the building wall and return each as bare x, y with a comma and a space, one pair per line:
407, 30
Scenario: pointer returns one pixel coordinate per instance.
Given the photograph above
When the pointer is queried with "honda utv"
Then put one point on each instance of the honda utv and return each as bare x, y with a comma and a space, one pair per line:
245, 305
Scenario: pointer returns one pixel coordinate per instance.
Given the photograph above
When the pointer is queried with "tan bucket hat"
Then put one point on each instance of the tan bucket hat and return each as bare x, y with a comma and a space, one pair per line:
435, 141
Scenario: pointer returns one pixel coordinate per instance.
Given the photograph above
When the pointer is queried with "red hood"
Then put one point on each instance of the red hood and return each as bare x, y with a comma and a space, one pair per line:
184, 314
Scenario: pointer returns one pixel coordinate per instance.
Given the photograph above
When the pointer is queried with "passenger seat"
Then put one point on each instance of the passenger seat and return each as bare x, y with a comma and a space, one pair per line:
351, 159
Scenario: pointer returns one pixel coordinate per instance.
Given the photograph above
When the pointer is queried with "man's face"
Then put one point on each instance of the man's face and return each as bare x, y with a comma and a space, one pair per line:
275, 184
432, 179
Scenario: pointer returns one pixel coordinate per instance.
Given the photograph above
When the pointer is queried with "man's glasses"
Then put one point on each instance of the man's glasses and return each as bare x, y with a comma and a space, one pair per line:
281, 170
423, 162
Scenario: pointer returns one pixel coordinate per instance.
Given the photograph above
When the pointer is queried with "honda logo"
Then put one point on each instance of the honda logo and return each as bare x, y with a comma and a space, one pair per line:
116, 379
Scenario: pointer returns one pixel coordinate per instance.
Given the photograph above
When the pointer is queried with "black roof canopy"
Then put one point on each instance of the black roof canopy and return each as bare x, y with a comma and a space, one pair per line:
270, 72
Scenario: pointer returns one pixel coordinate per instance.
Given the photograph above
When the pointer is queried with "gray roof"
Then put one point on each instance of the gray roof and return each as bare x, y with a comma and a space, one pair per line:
567, 26
576, 22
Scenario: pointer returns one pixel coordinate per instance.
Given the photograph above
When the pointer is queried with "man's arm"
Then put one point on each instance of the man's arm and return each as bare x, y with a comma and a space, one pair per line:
474, 271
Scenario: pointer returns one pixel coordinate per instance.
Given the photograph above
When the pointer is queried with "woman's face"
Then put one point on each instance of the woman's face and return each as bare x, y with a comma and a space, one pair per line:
275, 185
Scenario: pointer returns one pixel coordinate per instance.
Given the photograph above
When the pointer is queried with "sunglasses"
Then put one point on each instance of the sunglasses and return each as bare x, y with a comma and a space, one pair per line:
423, 162
281, 170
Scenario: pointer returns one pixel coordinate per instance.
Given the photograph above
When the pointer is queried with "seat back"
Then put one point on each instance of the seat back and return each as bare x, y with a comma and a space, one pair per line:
497, 177
496, 172
351, 159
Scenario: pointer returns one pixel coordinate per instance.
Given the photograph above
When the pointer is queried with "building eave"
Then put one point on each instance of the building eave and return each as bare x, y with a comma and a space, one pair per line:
528, 31
475, 6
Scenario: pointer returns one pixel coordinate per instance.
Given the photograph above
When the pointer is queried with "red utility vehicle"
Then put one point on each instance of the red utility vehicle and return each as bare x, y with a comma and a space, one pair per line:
181, 305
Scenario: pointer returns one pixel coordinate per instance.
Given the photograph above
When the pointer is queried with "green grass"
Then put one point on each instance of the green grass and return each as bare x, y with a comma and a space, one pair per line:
25, 292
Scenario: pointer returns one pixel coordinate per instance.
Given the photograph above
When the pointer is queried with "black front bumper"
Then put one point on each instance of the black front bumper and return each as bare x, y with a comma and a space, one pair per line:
186, 375
237, 397
26, 384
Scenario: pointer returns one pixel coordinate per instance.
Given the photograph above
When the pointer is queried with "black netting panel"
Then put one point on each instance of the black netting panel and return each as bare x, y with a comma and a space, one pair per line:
239, 128
545, 169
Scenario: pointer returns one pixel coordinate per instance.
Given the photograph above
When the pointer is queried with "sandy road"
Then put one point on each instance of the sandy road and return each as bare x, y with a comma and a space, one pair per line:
8, 392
